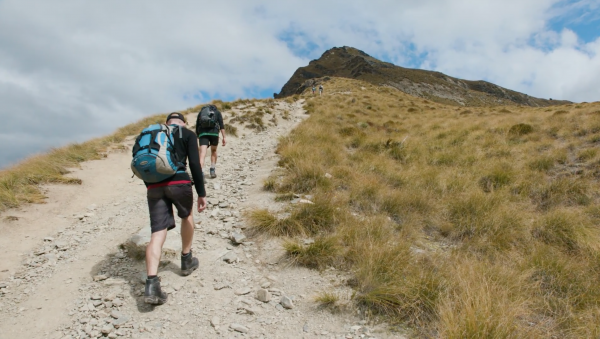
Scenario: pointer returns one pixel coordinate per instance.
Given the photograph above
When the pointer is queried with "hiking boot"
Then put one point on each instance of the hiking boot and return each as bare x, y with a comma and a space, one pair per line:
189, 264
153, 294
213, 174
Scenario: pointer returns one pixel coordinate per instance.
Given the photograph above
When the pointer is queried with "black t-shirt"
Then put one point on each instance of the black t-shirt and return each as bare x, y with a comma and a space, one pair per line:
215, 130
186, 148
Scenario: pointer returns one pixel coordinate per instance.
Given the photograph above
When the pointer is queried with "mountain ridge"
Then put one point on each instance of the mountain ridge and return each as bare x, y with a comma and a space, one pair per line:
349, 62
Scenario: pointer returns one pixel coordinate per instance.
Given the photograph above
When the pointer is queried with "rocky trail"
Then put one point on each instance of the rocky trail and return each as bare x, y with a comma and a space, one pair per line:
71, 268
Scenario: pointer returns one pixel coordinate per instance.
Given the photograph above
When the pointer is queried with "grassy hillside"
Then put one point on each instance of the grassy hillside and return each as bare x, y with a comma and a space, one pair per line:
21, 183
460, 222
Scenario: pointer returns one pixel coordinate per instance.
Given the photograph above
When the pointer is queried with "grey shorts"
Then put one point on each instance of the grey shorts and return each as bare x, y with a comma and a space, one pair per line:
161, 201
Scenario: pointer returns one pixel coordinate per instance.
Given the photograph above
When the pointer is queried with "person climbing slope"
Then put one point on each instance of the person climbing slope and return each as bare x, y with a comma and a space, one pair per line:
208, 125
176, 189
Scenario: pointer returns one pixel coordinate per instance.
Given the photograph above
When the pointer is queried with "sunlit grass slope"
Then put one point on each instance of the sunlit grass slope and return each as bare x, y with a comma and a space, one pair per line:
460, 222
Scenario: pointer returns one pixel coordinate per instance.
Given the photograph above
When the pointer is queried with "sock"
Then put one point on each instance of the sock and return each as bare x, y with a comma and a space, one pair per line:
187, 254
212, 166
151, 277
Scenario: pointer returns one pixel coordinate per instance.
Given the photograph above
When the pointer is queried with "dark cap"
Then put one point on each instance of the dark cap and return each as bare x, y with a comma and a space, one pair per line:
176, 115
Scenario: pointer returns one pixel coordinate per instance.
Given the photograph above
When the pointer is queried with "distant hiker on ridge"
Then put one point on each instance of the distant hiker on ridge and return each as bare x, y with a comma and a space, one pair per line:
320, 89
208, 125
314, 89
158, 150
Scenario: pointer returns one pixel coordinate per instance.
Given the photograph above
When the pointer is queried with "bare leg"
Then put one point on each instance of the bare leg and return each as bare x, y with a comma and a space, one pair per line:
154, 250
213, 156
202, 155
187, 234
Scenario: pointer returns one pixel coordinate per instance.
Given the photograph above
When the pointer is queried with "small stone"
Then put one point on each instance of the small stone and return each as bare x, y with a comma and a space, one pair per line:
328, 176
117, 302
3, 285
305, 328
48, 239
242, 291
263, 295
230, 257
224, 204
100, 277
108, 328
265, 284
308, 241
239, 328
116, 314
96, 297
249, 310
286, 302
121, 321
220, 286
61, 245
215, 321
112, 335
238, 238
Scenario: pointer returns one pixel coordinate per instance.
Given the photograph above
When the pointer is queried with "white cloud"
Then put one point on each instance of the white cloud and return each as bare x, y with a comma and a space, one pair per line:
70, 70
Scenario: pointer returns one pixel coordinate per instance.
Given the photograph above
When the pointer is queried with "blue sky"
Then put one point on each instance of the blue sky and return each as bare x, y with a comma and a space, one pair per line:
91, 67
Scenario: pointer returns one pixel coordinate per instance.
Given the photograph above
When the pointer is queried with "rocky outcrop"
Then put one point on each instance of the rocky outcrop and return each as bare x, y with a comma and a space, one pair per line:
348, 62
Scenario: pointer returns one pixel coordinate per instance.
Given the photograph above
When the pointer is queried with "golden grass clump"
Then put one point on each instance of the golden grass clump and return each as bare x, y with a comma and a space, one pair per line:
478, 224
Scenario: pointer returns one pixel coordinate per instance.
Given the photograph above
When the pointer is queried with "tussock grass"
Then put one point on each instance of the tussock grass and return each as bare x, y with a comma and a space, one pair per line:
478, 224
323, 252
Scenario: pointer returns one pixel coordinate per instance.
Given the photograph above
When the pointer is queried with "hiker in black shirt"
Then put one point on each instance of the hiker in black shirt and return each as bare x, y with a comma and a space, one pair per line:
177, 190
210, 137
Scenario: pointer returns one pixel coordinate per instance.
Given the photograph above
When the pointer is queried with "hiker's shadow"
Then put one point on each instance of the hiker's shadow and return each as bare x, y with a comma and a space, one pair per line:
129, 275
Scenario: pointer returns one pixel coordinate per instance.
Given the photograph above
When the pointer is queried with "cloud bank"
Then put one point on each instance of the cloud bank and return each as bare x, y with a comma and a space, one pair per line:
72, 70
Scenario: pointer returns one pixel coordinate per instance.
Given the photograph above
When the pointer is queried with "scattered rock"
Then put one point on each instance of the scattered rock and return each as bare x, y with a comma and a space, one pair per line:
100, 277
49, 239
116, 314
108, 328
242, 291
263, 295
61, 245
286, 302
121, 321
220, 286
215, 321
328, 176
230, 257
238, 238
239, 328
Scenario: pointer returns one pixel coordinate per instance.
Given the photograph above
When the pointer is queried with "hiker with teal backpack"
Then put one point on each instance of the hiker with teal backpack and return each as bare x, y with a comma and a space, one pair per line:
159, 158
209, 124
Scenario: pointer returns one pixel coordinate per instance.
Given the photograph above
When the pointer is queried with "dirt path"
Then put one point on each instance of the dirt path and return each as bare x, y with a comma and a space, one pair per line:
64, 273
